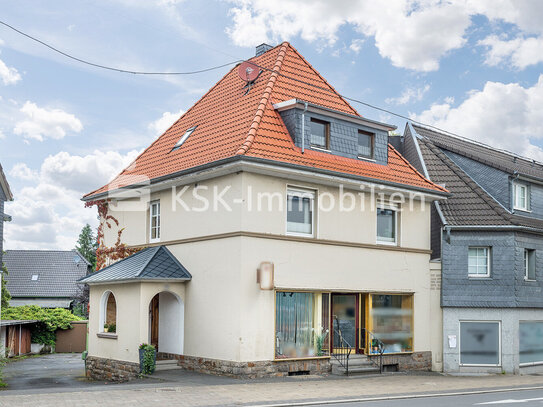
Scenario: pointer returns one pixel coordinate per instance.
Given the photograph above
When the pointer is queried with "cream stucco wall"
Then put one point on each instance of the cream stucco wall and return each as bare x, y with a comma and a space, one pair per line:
227, 316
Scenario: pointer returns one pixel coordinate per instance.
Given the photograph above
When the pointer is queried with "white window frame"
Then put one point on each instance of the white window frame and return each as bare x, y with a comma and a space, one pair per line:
395, 209
499, 343
300, 192
488, 260
516, 206
151, 239
526, 264
103, 310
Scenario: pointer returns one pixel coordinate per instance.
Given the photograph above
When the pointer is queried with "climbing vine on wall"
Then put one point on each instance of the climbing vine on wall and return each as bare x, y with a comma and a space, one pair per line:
118, 251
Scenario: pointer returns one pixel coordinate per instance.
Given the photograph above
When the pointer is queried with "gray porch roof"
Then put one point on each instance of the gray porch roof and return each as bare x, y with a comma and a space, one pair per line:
151, 264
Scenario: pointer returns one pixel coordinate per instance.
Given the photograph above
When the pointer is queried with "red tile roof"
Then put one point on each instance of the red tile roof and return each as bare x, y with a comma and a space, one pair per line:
231, 123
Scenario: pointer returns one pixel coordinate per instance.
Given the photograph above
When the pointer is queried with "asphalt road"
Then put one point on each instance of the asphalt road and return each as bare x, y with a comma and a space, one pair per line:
523, 398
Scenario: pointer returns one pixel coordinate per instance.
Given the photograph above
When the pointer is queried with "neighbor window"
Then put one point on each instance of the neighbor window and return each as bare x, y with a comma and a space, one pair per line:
391, 321
529, 264
387, 219
530, 342
480, 343
320, 134
154, 212
298, 333
300, 212
108, 313
184, 138
365, 144
520, 196
479, 261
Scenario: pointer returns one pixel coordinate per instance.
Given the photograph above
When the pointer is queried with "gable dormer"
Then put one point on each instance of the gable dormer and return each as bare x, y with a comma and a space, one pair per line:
335, 132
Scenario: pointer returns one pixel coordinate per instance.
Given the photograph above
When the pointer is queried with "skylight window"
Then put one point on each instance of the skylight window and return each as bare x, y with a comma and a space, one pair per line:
34, 277
183, 138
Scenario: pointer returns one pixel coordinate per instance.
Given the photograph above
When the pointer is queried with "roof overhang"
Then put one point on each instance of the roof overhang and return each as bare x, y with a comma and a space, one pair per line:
262, 166
11, 322
41, 302
300, 104
5, 186
512, 228
136, 280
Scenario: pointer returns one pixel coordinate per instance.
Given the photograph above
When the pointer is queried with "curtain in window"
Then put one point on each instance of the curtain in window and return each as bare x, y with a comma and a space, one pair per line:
294, 324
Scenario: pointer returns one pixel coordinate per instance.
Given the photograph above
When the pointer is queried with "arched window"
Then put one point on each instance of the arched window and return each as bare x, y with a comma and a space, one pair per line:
108, 313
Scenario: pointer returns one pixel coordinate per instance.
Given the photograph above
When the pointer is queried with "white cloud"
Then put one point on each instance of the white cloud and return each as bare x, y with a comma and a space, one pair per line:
409, 95
162, 124
519, 52
356, 45
404, 30
21, 171
41, 123
48, 212
9, 75
506, 116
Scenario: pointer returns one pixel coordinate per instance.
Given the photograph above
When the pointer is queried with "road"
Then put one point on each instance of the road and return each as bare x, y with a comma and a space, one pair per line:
523, 398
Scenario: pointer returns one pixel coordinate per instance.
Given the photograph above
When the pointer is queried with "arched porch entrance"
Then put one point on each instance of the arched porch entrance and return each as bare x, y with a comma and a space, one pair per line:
166, 323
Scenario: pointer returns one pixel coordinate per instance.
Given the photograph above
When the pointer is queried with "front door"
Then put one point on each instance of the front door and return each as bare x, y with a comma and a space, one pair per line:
153, 313
344, 321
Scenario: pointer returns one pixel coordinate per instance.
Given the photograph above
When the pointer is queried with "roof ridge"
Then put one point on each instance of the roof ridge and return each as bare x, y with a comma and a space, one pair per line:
264, 101
428, 180
481, 193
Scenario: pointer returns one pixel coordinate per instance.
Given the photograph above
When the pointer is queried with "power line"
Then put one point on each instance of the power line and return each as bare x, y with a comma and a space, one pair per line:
113, 68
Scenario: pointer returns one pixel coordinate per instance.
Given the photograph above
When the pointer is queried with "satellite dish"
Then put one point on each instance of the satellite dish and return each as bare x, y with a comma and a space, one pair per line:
248, 71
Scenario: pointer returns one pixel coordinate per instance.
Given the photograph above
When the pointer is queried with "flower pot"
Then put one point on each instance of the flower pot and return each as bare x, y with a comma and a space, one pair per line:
142, 353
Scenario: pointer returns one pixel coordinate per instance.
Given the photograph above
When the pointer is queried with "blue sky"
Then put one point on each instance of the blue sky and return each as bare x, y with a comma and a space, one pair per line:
469, 66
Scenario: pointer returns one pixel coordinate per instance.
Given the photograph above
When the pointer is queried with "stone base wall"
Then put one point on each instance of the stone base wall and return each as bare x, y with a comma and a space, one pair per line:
421, 361
110, 369
251, 370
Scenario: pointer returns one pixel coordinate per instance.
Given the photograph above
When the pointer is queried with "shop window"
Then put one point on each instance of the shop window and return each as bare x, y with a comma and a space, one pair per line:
301, 325
391, 321
531, 342
480, 343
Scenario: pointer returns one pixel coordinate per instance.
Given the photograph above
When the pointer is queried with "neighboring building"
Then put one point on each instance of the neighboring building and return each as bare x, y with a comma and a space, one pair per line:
47, 278
292, 149
489, 237
5, 195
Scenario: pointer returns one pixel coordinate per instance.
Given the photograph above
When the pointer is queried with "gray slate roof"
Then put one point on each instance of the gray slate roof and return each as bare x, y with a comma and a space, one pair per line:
57, 271
153, 263
469, 204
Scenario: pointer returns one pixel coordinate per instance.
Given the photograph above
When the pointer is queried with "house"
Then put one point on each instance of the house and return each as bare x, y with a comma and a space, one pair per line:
273, 228
489, 238
5, 195
47, 278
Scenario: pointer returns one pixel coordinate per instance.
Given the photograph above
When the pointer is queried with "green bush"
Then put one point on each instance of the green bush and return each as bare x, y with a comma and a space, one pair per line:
49, 320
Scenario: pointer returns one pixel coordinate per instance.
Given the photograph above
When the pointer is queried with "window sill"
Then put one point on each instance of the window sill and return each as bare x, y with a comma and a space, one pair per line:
295, 234
384, 243
107, 335
324, 149
522, 210
529, 280
371, 160
473, 277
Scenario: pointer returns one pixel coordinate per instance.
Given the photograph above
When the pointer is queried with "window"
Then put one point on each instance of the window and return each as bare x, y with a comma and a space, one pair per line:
154, 212
108, 313
300, 212
365, 144
35, 277
529, 264
184, 138
479, 261
391, 321
320, 134
480, 343
387, 225
520, 196
297, 332
530, 342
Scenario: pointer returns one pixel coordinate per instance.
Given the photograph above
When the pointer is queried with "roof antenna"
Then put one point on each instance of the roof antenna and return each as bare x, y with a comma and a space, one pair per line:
249, 73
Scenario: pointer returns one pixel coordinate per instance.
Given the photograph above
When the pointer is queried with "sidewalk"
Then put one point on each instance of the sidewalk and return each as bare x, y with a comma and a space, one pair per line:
196, 392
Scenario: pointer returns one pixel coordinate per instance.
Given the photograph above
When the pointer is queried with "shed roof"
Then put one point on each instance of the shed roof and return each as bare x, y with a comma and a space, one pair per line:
151, 264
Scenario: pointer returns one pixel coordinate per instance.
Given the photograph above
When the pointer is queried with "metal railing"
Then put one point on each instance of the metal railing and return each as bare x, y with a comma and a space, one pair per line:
343, 349
374, 346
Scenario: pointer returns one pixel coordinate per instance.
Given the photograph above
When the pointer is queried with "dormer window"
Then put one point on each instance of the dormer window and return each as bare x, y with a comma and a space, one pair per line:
520, 196
366, 142
320, 134
184, 138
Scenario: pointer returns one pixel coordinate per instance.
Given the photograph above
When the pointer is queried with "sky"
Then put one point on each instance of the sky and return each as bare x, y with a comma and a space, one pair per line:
472, 67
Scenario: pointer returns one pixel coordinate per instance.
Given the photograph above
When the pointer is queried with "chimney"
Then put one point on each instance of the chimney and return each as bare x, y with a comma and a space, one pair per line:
262, 48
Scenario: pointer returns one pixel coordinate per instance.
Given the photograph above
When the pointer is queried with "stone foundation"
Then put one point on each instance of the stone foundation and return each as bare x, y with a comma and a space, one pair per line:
421, 361
251, 370
110, 369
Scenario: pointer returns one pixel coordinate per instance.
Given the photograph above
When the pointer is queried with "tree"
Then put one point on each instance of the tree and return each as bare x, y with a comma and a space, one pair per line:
87, 245
6, 296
